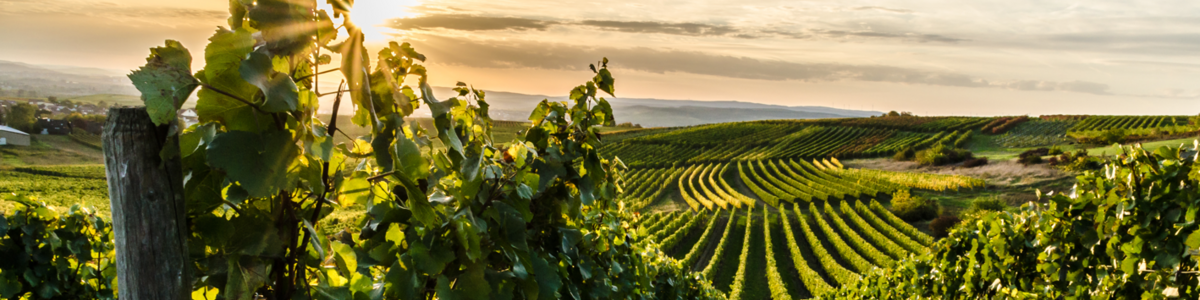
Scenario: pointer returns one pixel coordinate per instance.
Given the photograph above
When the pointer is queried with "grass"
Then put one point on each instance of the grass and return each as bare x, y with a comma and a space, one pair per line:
50, 150
58, 186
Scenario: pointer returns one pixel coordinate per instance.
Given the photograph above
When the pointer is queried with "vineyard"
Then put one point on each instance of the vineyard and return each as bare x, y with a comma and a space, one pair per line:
784, 139
805, 251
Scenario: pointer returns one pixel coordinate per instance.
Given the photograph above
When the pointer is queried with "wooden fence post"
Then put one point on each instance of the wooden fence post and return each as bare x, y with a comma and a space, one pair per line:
146, 194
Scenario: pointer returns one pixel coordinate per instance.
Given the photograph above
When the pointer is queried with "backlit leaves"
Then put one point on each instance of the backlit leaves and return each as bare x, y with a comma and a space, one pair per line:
258, 162
165, 81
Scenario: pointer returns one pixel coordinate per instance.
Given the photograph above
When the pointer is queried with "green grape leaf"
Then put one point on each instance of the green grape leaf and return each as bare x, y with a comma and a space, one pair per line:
246, 274
548, 280
355, 70
165, 81
281, 92
408, 159
286, 25
10, 286
1193, 240
257, 162
468, 237
605, 81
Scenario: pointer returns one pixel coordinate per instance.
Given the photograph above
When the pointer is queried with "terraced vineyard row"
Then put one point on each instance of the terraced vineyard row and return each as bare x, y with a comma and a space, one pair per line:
1128, 122
799, 139
766, 253
775, 182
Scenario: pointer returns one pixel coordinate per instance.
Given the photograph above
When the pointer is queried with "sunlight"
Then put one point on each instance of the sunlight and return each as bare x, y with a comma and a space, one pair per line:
373, 15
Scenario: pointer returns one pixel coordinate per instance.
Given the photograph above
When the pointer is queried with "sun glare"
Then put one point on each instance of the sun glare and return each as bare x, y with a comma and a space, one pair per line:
373, 16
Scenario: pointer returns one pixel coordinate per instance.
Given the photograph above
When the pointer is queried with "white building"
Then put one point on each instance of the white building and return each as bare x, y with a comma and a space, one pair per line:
12, 136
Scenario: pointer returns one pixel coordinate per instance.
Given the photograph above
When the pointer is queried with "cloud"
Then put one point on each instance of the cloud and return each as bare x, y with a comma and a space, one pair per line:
469, 23
519, 54
883, 9
874, 34
1155, 63
693, 29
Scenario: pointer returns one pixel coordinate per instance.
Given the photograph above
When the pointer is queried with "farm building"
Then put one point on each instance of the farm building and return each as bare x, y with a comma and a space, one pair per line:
12, 136
56, 127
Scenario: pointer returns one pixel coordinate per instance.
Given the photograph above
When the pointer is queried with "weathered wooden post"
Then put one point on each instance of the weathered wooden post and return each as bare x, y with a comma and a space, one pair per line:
146, 194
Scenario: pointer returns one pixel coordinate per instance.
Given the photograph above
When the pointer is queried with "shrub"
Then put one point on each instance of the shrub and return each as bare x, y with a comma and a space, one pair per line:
1113, 136
913, 208
1054, 150
988, 204
941, 226
905, 155
1033, 156
975, 162
940, 155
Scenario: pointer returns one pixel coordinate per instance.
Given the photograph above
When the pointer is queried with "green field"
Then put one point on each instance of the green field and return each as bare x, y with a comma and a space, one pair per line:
764, 209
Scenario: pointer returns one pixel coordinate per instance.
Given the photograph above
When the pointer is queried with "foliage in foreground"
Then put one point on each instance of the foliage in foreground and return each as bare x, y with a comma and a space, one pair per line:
52, 255
537, 219
1127, 232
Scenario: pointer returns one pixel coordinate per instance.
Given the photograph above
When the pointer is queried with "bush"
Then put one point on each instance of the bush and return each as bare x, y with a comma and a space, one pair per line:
1033, 156
940, 155
975, 162
913, 208
905, 155
1054, 150
1113, 136
941, 226
988, 204
1077, 161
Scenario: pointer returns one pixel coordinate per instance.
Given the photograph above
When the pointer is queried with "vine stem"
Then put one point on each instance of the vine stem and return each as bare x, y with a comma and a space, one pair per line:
337, 102
318, 73
235, 97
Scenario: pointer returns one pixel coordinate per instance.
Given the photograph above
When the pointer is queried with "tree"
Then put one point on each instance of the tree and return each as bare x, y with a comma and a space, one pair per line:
22, 116
474, 219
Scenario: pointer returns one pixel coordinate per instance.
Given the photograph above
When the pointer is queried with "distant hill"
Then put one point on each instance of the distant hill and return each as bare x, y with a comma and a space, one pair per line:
92, 85
59, 81
663, 113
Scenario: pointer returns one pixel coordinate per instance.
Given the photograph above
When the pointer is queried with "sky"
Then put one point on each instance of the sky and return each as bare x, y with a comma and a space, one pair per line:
979, 57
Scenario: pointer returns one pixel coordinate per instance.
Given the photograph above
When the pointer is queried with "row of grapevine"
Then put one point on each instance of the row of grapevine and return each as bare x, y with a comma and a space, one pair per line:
861, 212
811, 279
692, 255
672, 226
844, 249
672, 239
722, 133
647, 185
1128, 122
835, 270
899, 224
661, 222
736, 289
686, 190
898, 249
866, 249
774, 279
710, 269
